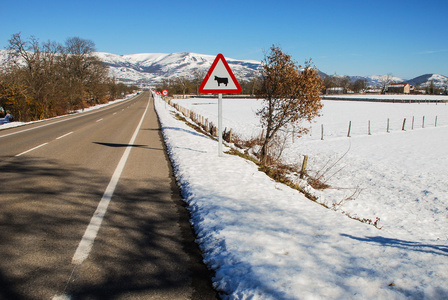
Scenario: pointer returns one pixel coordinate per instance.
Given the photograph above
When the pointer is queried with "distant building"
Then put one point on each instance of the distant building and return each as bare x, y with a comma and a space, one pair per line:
335, 91
399, 88
372, 90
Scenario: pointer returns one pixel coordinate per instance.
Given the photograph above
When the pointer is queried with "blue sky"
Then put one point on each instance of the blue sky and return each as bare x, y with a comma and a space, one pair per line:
345, 37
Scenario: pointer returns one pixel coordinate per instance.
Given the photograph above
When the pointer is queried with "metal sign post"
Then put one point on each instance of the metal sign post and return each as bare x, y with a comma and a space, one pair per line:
220, 125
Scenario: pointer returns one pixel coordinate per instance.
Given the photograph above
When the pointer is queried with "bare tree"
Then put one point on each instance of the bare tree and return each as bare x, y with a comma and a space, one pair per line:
358, 85
183, 82
198, 77
250, 86
337, 81
84, 72
79, 47
34, 73
289, 96
45, 80
385, 81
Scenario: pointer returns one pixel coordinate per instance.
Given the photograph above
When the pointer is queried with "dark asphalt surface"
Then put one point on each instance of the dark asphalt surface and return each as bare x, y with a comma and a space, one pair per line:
145, 246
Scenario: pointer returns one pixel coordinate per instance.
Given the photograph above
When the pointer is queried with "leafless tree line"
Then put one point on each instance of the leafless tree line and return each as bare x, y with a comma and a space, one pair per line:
42, 80
345, 83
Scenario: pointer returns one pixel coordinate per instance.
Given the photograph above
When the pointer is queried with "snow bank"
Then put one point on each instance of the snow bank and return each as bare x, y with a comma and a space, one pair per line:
267, 241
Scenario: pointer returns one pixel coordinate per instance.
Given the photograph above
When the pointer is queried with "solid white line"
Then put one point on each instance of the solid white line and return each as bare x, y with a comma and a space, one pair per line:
86, 243
62, 136
20, 154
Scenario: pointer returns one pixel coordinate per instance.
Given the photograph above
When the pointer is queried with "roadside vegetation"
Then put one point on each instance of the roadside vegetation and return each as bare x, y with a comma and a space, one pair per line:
291, 94
43, 80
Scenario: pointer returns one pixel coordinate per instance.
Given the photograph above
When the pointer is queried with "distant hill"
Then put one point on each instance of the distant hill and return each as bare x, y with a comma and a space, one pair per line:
151, 68
375, 80
425, 80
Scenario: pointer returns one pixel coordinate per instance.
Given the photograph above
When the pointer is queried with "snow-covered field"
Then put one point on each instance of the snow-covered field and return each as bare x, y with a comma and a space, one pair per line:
267, 241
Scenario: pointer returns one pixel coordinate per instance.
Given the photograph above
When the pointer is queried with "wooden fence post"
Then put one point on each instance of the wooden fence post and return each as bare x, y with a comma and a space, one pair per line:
435, 122
322, 132
305, 161
369, 129
423, 122
404, 122
412, 123
387, 125
349, 128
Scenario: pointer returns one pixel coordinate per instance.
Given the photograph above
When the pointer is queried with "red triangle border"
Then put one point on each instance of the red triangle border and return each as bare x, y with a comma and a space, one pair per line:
209, 73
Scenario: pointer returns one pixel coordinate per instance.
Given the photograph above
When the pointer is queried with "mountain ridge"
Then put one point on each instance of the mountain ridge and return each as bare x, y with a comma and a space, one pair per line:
172, 65
150, 68
146, 69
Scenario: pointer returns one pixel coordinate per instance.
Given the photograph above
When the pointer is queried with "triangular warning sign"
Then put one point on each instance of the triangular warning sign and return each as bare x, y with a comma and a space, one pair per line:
220, 78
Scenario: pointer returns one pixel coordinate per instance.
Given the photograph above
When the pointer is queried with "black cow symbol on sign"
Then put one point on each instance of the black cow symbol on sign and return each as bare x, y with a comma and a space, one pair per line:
220, 80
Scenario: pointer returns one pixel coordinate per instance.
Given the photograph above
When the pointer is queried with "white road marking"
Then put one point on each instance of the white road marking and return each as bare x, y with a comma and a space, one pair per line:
20, 154
86, 243
62, 136
99, 120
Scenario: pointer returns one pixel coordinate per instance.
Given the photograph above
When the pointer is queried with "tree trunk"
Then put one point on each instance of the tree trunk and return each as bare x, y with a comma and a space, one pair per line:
264, 148
264, 153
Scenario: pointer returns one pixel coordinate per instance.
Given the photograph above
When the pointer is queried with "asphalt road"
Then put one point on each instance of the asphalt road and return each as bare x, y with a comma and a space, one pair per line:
100, 179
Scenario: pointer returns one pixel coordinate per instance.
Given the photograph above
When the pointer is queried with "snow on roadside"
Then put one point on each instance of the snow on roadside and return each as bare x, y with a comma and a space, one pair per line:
267, 241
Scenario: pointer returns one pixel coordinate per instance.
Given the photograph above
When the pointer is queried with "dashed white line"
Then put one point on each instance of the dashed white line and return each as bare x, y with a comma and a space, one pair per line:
20, 154
62, 136
67, 119
99, 120
86, 243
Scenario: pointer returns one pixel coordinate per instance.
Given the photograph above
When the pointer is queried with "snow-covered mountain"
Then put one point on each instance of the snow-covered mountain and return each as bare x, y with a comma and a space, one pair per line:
150, 68
425, 80
421, 81
376, 80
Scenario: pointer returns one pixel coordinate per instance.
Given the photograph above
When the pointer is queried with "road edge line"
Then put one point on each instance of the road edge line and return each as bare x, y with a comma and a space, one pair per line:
86, 243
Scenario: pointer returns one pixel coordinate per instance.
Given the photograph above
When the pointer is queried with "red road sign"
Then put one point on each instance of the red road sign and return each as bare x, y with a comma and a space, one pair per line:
220, 78
165, 92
